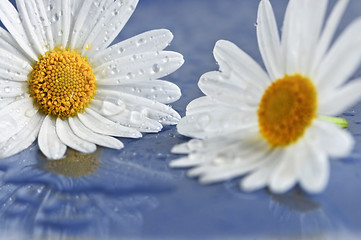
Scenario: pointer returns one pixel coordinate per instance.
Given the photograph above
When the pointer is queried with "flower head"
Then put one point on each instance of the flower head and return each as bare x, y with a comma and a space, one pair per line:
271, 125
62, 83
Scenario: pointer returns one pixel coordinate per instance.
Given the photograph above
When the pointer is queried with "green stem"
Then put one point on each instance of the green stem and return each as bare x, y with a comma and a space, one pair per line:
335, 120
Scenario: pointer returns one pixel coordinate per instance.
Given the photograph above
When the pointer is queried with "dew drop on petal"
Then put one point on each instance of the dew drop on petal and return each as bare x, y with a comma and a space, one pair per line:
7, 89
130, 75
141, 41
203, 121
156, 68
31, 112
120, 50
55, 17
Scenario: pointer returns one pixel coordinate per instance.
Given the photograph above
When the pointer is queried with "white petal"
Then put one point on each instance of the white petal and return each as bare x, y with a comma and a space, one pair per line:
67, 136
332, 139
150, 108
220, 173
182, 149
23, 138
29, 12
15, 117
217, 122
110, 23
157, 90
342, 59
208, 104
269, 40
312, 23
102, 125
6, 101
10, 18
183, 162
48, 140
85, 133
151, 41
301, 29
137, 120
314, 171
138, 67
207, 146
219, 87
284, 175
9, 44
234, 61
328, 33
12, 89
59, 14
259, 178
13, 67
339, 100
108, 107
87, 16
228, 159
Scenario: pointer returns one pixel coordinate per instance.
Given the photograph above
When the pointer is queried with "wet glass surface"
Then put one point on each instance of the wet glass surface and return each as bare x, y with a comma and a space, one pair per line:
132, 192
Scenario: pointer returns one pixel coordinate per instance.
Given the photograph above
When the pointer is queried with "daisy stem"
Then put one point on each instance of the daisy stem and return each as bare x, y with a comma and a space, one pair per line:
335, 120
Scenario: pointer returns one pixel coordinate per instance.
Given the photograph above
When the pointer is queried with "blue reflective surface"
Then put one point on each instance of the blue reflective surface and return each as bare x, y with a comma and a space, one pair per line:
133, 193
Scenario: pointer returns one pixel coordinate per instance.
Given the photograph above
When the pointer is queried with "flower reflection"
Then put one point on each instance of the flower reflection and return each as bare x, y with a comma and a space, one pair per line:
75, 164
36, 210
124, 172
99, 194
307, 214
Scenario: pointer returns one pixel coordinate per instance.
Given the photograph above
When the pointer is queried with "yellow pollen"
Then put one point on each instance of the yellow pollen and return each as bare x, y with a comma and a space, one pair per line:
287, 108
62, 83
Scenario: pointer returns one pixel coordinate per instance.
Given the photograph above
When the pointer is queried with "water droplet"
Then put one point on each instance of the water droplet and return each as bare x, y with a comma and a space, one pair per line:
156, 68
120, 102
130, 75
141, 41
88, 47
120, 50
31, 112
56, 17
166, 59
114, 70
133, 58
7, 89
203, 121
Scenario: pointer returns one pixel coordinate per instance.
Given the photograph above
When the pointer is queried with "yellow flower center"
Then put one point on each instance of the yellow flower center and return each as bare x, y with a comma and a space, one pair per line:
75, 164
287, 108
62, 83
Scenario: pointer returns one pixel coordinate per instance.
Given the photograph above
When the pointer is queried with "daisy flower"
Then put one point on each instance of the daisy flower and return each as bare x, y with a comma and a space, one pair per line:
269, 126
62, 83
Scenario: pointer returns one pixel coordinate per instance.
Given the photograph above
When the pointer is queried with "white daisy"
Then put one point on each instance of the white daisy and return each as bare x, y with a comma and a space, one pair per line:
61, 82
270, 125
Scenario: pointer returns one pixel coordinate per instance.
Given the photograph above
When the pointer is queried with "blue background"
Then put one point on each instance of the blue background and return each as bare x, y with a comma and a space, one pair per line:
135, 194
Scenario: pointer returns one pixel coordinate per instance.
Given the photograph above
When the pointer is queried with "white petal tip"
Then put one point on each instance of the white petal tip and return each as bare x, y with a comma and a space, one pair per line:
180, 163
180, 149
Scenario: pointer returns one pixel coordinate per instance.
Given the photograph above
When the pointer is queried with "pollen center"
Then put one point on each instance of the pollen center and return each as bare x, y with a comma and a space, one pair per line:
287, 108
62, 83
